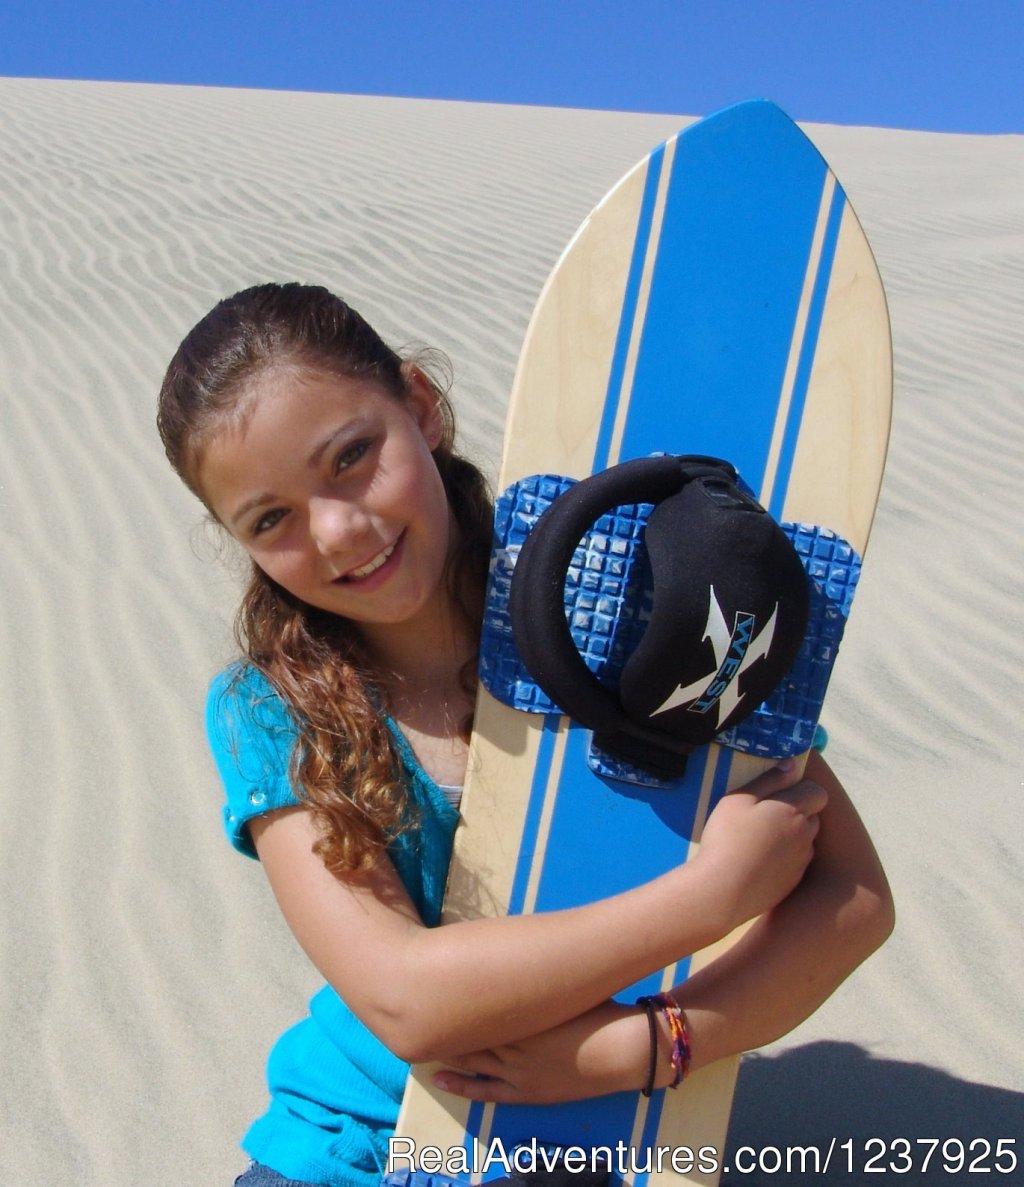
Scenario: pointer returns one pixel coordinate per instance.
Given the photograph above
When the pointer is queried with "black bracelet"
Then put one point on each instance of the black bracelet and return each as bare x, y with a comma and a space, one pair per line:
649, 1004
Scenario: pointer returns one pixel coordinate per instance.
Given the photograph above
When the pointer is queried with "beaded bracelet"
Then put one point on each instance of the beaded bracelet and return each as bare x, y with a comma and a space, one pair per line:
676, 1019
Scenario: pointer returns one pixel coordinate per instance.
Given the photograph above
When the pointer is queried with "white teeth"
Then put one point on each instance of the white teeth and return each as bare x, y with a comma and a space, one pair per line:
375, 564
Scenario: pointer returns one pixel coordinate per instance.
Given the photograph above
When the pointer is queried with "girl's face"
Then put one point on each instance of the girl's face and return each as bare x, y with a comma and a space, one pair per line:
330, 486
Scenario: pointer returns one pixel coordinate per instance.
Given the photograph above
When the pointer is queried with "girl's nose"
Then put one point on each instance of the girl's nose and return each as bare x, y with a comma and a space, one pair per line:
334, 525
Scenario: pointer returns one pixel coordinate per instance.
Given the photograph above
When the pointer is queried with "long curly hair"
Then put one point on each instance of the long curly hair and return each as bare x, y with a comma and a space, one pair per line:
344, 764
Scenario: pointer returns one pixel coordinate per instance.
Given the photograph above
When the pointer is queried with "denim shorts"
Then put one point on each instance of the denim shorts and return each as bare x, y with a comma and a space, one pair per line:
259, 1175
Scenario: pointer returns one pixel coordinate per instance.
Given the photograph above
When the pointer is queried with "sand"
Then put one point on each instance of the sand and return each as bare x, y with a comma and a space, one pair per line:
145, 969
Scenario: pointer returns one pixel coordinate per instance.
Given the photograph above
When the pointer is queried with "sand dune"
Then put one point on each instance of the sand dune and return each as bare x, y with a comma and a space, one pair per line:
145, 968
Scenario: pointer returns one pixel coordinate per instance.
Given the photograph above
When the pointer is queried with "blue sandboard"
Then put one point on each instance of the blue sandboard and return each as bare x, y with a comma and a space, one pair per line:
721, 300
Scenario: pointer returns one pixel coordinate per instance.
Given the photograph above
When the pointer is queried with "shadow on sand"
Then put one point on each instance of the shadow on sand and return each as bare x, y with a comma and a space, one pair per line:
810, 1095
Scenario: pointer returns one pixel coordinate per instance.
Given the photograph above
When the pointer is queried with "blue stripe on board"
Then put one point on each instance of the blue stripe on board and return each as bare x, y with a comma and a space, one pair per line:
719, 786
534, 811
807, 351
649, 1135
629, 303
732, 257
723, 773
474, 1119
541, 774
521, 877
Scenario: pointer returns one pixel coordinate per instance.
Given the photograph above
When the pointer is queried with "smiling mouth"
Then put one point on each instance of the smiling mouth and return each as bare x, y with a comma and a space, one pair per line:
370, 567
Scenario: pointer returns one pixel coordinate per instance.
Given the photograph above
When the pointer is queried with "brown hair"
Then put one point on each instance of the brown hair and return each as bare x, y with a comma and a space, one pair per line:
344, 763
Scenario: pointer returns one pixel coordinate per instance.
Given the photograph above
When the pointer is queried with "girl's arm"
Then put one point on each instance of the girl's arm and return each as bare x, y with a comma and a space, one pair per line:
774, 977
445, 991
794, 957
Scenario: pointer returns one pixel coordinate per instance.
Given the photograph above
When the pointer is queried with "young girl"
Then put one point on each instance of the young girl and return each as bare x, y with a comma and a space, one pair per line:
341, 740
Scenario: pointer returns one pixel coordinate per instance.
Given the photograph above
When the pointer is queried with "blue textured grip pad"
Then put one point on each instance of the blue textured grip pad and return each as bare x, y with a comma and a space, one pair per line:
608, 598
410, 1178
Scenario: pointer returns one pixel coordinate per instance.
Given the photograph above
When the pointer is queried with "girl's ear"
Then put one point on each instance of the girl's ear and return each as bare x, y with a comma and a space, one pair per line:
423, 404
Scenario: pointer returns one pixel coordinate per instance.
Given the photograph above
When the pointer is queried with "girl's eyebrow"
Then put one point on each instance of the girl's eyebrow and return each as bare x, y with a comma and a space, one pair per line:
251, 505
350, 428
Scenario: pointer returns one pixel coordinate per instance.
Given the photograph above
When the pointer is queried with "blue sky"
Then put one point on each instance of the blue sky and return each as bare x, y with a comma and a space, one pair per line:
940, 65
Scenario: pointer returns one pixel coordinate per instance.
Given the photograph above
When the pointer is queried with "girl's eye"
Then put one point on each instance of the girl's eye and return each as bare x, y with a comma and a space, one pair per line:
266, 522
350, 455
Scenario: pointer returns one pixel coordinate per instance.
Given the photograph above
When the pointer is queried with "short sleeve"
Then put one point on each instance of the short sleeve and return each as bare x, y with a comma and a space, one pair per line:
251, 734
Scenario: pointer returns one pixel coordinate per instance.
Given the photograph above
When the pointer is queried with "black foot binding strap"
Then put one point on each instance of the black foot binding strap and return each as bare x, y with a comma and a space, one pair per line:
729, 614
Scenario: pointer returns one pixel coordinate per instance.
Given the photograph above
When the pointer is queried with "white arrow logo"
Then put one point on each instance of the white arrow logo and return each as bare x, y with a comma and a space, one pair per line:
735, 651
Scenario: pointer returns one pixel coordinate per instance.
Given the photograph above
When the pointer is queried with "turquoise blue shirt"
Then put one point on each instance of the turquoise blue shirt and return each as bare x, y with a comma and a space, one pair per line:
334, 1087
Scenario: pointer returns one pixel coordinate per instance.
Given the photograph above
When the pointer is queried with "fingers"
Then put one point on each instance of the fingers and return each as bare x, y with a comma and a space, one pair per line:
474, 1087
807, 797
782, 782
772, 781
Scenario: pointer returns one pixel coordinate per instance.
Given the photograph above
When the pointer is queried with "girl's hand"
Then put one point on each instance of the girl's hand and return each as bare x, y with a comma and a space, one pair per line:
759, 840
604, 1050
